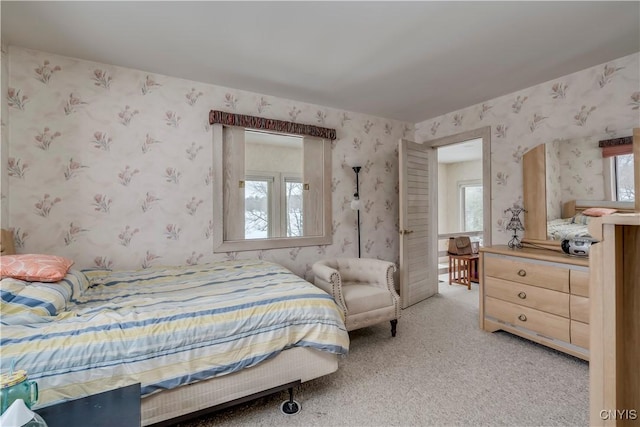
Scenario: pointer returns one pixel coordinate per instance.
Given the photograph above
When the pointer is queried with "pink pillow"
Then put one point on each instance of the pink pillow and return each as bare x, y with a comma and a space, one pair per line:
598, 211
34, 267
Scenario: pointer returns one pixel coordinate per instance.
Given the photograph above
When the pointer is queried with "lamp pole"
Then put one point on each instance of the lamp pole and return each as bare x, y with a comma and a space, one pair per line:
356, 196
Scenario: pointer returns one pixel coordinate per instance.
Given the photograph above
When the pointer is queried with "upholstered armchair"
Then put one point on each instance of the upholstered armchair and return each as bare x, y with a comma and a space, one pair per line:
363, 288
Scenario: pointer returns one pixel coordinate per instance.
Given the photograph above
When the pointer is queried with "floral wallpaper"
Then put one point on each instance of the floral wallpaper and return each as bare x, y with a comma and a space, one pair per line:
582, 168
604, 99
4, 141
112, 167
553, 179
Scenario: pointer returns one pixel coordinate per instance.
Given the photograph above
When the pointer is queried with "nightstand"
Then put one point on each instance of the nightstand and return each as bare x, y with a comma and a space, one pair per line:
119, 407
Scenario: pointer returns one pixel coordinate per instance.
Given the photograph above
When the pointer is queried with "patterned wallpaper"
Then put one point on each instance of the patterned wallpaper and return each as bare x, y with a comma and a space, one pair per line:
553, 179
604, 99
582, 168
112, 166
4, 140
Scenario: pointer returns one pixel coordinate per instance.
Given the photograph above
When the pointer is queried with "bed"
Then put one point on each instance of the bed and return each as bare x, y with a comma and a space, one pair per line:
193, 336
567, 228
574, 221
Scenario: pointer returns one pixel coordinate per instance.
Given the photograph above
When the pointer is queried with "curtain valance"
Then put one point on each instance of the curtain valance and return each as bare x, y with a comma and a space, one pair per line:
616, 146
253, 122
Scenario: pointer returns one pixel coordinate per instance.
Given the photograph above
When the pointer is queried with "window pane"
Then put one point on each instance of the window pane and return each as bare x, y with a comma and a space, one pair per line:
472, 208
624, 178
293, 208
256, 209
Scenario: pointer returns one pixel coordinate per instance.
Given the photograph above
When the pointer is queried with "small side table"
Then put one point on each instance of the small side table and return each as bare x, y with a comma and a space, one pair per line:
463, 269
119, 407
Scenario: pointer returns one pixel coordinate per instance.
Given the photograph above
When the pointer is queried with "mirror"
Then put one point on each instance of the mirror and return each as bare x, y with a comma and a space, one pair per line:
272, 189
570, 175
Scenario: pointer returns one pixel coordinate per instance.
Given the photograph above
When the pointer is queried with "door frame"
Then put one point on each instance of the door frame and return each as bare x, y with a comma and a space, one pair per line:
485, 134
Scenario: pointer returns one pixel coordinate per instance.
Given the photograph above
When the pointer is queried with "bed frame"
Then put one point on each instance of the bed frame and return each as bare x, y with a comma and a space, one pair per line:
289, 368
295, 365
573, 207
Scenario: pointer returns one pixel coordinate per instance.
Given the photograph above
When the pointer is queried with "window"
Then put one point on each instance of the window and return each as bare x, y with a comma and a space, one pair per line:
265, 197
470, 206
258, 194
293, 207
618, 169
623, 178
242, 156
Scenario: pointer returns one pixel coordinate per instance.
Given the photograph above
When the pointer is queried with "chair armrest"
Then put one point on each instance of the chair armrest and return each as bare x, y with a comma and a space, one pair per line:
324, 272
383, 272
328, 279
387, 269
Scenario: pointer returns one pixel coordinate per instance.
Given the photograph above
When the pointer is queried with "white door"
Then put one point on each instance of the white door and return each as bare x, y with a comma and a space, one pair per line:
418, 222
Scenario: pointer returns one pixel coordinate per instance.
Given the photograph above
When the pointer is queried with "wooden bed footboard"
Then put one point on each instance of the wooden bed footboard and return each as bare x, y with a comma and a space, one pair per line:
573, 207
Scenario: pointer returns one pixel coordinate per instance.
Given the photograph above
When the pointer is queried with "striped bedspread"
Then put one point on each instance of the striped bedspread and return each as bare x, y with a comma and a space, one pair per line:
169, 326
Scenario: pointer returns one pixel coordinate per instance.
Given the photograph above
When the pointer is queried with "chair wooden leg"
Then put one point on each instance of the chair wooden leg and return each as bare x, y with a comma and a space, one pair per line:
394, 323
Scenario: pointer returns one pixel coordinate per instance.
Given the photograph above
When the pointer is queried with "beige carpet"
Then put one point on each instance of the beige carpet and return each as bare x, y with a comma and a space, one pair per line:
440, 370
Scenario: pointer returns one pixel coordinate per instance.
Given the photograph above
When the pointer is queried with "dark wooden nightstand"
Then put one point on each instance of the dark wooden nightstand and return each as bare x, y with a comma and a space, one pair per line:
119, 407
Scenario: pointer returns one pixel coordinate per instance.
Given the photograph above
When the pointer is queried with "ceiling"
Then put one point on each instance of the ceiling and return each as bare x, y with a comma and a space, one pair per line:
402, 60
267, 138
461, 152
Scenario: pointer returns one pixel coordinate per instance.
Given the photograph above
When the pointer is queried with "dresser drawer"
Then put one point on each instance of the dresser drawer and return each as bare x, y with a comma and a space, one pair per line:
579, 283
580, 334
548, 325
579, 307
530, 296
545, 276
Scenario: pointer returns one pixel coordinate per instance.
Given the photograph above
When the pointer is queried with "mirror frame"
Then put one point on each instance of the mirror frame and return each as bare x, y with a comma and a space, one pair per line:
534, 188
219, 120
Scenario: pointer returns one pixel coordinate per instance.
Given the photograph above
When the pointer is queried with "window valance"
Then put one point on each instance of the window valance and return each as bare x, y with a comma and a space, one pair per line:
616, 146
253, 122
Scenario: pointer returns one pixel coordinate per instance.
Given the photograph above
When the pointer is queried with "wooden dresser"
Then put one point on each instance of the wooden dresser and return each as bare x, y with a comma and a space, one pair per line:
537, 294
615, 315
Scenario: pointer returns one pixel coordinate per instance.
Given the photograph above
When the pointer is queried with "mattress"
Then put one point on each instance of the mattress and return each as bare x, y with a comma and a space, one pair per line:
561, 229
169, 326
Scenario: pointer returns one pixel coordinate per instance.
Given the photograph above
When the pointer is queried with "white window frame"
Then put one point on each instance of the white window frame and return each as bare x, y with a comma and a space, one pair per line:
462, 185
285, 178
271, 212
277, 217
611, 179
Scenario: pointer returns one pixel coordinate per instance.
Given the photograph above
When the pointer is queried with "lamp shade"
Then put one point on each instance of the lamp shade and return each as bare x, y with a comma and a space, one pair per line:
352, 159
356, 204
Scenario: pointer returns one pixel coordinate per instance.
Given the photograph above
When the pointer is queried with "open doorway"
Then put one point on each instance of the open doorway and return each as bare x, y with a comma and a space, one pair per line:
460, 197
464, 191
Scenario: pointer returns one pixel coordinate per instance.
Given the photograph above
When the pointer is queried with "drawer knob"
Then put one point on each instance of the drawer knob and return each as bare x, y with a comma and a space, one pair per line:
522, 317
522, 295
522, 273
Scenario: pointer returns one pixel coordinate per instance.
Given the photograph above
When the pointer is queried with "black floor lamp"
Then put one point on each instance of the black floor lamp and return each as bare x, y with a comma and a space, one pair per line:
355, 203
